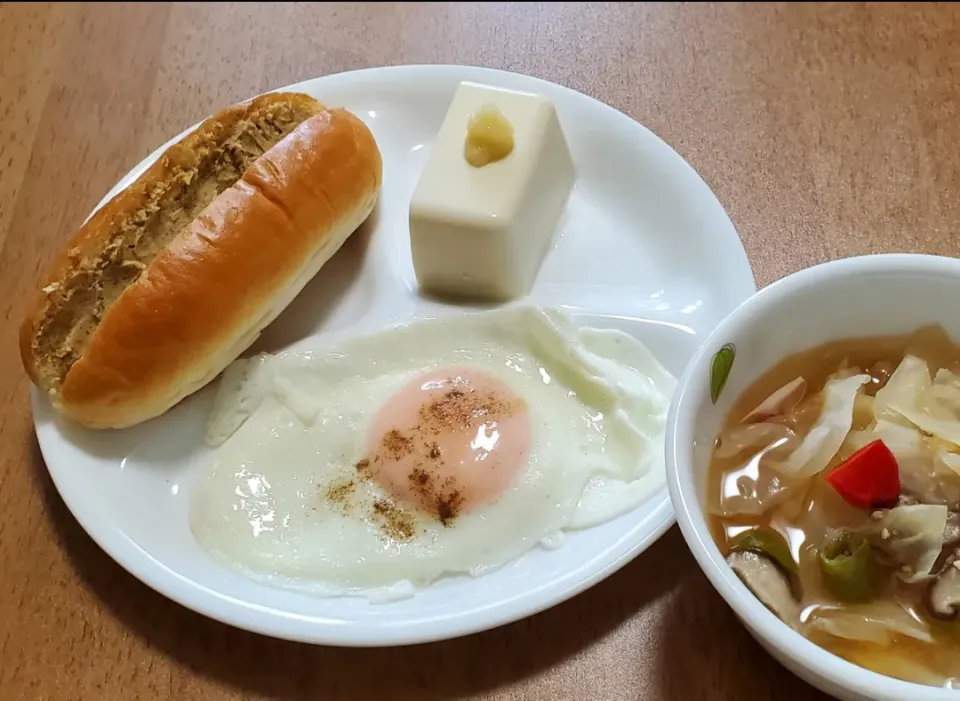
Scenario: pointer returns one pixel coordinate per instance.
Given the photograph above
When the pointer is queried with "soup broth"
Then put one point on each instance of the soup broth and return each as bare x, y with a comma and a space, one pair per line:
834, 492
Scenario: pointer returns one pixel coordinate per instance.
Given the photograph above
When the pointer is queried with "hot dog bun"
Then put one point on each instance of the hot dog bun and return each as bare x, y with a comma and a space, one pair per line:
176, 276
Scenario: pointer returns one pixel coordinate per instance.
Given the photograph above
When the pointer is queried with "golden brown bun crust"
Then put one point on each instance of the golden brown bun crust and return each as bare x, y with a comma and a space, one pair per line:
80, 266
205, 296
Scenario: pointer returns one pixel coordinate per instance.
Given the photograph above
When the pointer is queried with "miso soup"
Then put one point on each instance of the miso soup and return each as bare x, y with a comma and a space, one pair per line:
834, 493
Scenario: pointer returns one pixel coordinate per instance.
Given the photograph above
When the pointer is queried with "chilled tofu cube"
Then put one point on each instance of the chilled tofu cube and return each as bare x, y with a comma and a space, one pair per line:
481, 232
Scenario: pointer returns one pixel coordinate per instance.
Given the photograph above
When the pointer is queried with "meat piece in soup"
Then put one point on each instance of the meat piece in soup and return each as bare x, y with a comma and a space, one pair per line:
835, 493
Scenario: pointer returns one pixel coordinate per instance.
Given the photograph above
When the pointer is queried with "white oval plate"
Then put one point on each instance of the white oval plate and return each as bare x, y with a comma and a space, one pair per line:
644, 247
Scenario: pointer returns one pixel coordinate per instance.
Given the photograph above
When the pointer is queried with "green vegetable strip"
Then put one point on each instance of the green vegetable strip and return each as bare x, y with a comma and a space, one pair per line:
766, 541
849, 567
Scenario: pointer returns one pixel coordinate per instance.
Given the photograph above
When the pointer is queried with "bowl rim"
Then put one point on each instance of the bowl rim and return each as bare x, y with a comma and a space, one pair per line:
824, 665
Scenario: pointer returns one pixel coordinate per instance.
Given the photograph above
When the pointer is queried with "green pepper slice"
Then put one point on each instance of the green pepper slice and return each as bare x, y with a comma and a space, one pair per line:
766, 541
849, 567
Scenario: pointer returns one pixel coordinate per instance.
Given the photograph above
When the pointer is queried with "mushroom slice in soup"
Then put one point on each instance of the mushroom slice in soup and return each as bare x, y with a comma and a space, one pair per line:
943, 598
768, 582
762, 560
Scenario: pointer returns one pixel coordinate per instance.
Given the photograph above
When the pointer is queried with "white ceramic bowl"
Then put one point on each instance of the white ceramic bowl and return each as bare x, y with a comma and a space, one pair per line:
863, 296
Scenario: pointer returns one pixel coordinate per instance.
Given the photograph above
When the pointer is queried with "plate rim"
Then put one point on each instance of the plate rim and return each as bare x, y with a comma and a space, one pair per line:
254, 617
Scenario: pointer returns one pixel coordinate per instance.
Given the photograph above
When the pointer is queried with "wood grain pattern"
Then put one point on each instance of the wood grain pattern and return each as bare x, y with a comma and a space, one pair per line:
825, 130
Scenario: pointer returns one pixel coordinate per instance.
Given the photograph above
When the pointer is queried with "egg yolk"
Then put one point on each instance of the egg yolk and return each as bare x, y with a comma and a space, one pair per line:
449, 441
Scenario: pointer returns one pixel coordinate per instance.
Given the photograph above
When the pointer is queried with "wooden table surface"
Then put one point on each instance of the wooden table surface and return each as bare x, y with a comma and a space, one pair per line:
825, 131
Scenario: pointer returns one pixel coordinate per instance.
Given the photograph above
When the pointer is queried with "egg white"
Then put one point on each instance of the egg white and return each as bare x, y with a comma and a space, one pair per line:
291, 428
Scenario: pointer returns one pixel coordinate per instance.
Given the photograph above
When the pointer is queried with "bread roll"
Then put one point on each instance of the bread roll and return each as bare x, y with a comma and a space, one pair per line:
177, 275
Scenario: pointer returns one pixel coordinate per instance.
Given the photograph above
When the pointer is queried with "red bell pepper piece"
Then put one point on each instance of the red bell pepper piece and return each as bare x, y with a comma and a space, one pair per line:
870, 478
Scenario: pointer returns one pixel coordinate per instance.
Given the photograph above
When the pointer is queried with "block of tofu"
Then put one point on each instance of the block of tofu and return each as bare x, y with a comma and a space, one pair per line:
482, 232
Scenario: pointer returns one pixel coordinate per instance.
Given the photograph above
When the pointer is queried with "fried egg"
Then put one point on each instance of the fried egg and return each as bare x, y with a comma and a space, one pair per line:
440, 447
